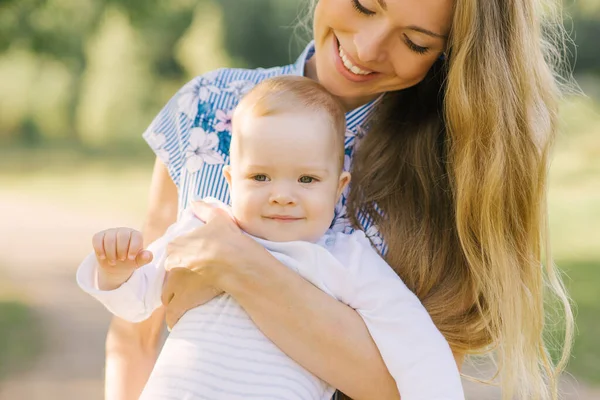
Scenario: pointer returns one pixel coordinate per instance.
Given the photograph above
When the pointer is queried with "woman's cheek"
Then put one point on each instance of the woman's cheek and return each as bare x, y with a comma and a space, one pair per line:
338, 15
409, 70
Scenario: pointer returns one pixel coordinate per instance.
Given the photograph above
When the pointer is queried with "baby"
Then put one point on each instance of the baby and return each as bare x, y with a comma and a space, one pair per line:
285, 178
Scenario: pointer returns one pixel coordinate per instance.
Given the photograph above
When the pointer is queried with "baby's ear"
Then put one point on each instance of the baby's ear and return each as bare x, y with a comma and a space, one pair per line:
343, 182
227, 174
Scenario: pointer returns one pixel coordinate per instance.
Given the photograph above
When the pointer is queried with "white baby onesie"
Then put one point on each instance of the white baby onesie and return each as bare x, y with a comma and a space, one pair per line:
216, 352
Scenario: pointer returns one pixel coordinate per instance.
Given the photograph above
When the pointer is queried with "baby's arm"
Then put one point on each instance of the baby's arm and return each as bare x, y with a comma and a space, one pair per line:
416, 354
134, 298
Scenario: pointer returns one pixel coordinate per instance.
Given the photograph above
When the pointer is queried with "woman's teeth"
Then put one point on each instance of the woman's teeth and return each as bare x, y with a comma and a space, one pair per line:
351, 67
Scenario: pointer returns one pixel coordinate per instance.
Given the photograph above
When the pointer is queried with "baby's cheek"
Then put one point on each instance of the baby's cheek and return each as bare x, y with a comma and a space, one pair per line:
249, 226
325, 219
242, 215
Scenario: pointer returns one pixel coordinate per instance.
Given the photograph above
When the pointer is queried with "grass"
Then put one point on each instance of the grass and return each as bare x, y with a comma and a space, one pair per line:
95, 182
20, 337
584, 287
80, 180
574, 207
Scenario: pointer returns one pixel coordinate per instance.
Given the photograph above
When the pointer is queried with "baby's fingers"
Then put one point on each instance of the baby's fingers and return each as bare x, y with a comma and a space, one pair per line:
136, 244
98, 245
110, 246
123, 238
143, 258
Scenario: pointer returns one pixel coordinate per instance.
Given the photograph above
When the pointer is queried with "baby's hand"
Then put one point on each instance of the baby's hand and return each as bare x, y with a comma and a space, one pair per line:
119, 251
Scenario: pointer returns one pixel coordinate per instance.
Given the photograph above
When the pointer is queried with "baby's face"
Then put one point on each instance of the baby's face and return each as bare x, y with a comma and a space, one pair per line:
285, 177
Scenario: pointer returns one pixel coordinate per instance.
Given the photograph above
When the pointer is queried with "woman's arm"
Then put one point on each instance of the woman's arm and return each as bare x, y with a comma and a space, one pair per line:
132, 348
325, 336
320, 333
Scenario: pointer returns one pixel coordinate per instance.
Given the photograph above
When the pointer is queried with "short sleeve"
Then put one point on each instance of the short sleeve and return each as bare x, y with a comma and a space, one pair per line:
169, 132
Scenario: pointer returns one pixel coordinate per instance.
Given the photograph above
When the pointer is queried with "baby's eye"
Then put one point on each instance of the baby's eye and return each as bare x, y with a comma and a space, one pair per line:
307, 179
260, 178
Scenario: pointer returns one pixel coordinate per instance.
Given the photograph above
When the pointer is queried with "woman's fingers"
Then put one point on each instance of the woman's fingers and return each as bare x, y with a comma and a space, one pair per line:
206, 211
173, 261
174, 282
174, 313
179, 303
168, 289
183, 290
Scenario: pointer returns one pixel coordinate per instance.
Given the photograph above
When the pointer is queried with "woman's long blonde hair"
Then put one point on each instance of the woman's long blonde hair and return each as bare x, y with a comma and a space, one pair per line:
454, 170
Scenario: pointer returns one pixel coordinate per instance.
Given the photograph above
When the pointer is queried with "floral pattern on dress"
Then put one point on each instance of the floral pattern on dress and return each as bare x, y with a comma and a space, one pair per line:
341, 222
375, 237
202, 149
362, 130
239, 88
224, 141
347, 159
223, 120
194, 91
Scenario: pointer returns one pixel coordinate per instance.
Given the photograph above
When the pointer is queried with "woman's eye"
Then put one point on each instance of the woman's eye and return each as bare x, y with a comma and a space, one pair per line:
417, 49
307, 179
362, 9
260, 178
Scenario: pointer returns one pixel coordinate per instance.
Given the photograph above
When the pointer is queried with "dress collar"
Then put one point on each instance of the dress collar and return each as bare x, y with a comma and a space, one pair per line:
307, 53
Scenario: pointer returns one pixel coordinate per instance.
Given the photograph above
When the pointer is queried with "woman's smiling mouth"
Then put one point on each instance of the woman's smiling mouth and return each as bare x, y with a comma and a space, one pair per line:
348, 68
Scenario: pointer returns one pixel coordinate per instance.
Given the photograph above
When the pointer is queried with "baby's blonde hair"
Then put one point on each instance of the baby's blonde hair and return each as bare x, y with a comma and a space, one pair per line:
293, 94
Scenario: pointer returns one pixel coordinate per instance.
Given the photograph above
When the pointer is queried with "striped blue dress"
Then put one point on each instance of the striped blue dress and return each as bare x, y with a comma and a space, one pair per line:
192, 133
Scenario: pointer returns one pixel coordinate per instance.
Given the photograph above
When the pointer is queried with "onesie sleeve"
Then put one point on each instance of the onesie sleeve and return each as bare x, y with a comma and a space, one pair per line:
138, 297
415, 352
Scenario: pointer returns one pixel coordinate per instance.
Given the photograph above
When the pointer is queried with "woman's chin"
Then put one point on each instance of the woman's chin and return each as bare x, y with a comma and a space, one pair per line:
350, 97
340, 88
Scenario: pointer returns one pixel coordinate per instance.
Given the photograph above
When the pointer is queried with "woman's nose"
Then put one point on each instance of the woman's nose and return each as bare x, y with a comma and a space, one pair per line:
371, 45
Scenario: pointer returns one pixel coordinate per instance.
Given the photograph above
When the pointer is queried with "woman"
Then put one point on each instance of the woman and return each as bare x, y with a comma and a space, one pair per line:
454, 105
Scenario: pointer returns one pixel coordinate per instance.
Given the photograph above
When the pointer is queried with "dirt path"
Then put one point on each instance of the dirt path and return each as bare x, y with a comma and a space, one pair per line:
39, 251
41, 246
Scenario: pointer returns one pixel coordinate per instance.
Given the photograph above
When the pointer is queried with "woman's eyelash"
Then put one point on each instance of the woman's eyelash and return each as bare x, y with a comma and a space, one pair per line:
417, 49
411, 45
362, 9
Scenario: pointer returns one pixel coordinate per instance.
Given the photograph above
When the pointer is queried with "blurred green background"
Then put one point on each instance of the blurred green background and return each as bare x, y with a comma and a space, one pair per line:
79, 82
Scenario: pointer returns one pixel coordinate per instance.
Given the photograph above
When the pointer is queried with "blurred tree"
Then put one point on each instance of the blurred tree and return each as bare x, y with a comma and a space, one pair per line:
585, 27
54, 40
58, 29
63, 30
259, 31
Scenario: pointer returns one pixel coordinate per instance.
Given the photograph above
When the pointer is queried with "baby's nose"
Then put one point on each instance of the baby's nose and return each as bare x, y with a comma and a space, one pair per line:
282, 196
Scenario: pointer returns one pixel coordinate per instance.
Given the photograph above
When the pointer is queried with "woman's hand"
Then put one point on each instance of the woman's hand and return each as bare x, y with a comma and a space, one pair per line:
184, 290
200, 261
